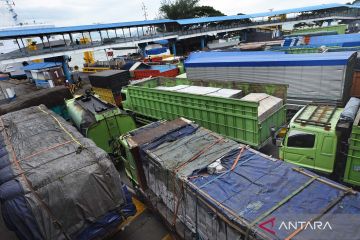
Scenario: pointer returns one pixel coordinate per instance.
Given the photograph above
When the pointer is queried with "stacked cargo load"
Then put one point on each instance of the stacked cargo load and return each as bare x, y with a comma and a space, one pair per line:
167, 98
210, 187
311, 77
54, 183
107, 84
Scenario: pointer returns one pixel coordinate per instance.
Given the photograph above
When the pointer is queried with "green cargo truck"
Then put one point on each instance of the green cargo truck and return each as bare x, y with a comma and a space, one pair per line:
100, 121
247, 121
319, 138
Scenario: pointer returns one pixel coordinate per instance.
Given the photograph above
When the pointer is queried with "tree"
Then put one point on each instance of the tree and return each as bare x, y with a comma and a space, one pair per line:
206, 11
178, 9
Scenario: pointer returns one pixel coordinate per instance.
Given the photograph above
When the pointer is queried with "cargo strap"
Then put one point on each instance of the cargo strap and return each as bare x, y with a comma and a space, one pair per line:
198, 154
222, 174
178, 202
329, 183
282, 202
331, 205
237, 158
28, 183
211, 207
62, 127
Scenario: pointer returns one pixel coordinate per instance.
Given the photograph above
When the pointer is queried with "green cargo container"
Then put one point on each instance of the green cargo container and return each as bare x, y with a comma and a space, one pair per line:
233, 118
352, 170
100, 121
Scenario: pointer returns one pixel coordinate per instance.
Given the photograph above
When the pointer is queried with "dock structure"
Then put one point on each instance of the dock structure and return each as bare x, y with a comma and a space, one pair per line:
133, 34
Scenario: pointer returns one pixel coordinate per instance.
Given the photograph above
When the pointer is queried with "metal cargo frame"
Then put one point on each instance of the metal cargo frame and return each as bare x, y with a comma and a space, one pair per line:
319, 110
233, 118
352, 169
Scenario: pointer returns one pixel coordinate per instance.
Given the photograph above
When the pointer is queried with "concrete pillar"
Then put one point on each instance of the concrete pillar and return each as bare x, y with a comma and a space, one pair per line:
142, 47
202, 43
173, 45
244, 36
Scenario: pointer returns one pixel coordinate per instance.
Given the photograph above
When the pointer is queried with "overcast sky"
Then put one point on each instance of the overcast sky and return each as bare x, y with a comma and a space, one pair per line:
75, 12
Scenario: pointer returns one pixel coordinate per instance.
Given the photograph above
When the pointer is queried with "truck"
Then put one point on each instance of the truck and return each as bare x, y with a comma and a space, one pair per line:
326, 139
207, 186
98, 120
54, 182
216, 105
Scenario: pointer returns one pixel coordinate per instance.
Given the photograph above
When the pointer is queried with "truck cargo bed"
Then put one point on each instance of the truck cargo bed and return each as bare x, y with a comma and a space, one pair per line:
250, 198
234, 118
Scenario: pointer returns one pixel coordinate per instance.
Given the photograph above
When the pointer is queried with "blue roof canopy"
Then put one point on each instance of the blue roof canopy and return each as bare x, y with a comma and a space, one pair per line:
80, 28
214, 59
42, 65
97, 27
263, 14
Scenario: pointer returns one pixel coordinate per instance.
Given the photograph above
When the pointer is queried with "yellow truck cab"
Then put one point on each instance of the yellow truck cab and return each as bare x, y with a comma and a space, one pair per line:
312, 140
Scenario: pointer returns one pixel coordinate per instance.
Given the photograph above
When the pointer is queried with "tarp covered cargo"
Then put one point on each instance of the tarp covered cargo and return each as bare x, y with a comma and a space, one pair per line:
250, 196
111, 79
52, 97
268, 104
200, 90
235, 118
311, 76
54, 183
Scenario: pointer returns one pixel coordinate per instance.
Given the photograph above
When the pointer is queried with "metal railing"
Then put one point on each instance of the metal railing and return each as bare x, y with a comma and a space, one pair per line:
352, 13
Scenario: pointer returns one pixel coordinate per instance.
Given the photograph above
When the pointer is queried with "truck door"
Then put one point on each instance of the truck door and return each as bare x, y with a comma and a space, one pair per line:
300, 148
326, 154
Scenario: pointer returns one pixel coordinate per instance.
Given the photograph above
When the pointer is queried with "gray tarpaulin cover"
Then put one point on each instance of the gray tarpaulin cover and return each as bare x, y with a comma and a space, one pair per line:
249, 199
350, 110
54, 183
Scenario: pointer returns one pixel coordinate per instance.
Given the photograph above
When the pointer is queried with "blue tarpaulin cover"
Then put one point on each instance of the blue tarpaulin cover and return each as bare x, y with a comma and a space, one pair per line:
253, 195
340, 39
156, 51
43, 65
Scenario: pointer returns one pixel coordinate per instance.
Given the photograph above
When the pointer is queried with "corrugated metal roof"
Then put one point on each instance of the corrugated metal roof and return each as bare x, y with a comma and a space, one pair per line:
212, 59
94, 27
263, 14
43, 65
80, 28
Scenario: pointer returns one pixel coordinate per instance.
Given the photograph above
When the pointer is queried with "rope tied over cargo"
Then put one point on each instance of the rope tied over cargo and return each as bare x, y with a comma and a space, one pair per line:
81, 147
29, 184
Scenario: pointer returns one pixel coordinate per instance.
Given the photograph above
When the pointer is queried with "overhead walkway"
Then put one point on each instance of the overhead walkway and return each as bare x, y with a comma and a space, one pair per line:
131, 34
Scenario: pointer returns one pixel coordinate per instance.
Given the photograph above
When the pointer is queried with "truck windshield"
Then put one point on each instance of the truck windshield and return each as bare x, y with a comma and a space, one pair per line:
300, 139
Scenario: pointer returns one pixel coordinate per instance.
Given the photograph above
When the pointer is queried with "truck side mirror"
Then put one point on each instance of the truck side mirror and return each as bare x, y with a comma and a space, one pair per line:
273, 135
278, 142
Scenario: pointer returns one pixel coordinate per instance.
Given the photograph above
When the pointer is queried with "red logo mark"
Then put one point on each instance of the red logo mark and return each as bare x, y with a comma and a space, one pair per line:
271, 221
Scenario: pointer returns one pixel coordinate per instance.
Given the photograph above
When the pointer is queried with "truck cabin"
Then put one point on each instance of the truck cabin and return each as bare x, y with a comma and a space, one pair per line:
312, 138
